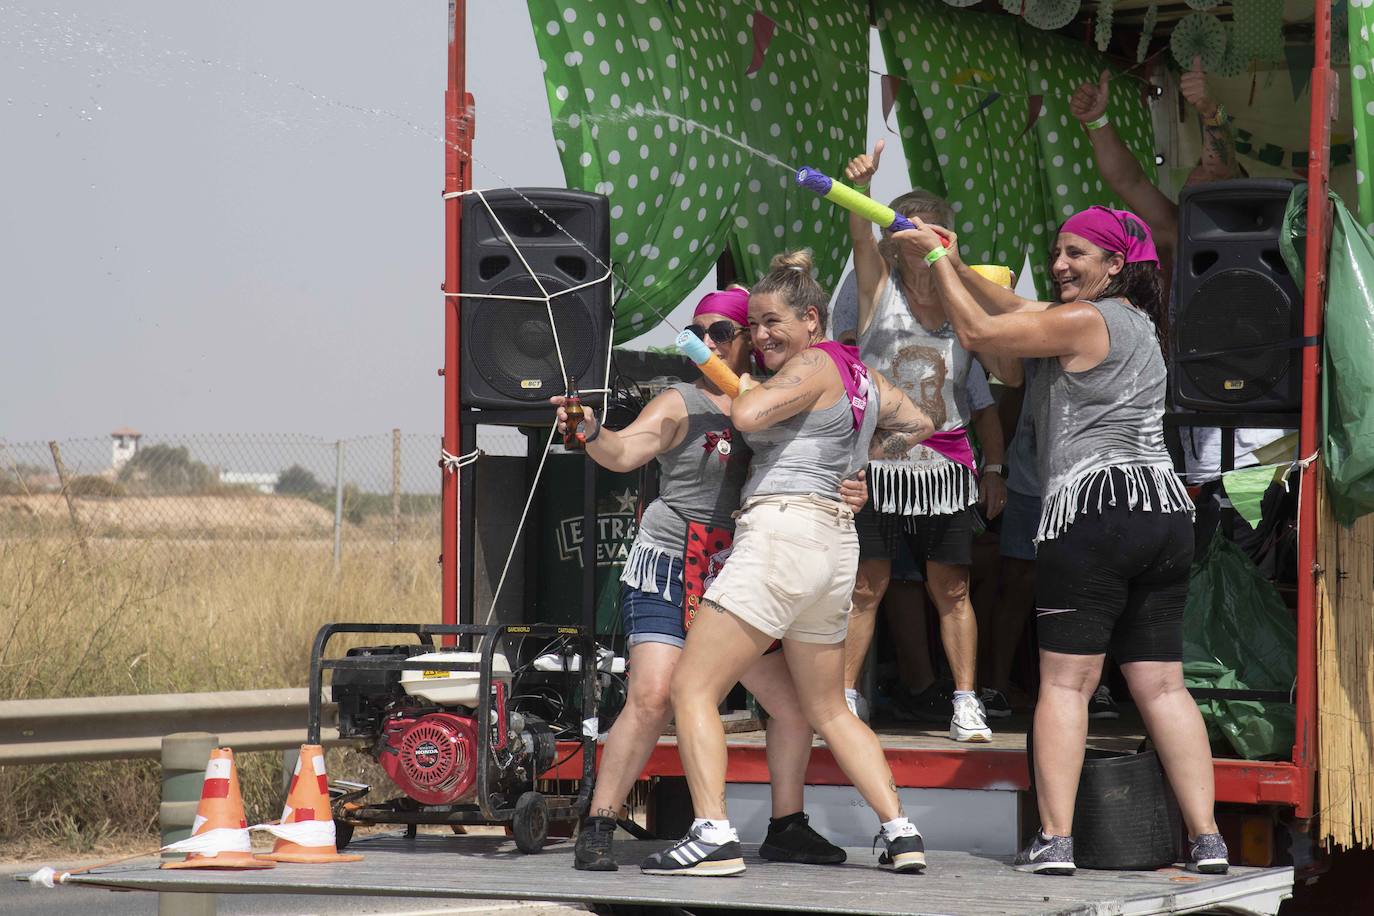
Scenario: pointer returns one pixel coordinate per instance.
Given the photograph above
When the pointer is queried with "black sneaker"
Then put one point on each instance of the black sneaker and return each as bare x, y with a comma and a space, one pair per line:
932, 705
692, 855
1102, 706
791, 839
903, 853
1047, 855
995, 703
1207, 854
592, 851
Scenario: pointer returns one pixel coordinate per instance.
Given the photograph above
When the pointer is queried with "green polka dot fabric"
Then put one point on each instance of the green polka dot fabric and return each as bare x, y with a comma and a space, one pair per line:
808, 106
651, 107
952, 60
1010, 190
1258, 31
1361, 31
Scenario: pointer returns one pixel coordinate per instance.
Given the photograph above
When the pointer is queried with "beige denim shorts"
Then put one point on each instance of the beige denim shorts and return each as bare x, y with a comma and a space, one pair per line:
791, 569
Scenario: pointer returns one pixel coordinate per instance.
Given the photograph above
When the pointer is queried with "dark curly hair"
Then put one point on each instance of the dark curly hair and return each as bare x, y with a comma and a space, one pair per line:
1139, 284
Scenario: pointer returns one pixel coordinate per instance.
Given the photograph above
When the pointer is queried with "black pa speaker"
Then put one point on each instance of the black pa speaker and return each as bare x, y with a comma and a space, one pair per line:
510, 351
1237, 322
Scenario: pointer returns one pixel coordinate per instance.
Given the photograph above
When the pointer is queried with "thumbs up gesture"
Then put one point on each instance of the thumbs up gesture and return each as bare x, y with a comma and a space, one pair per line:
1193, 85
862, 167
1089, 101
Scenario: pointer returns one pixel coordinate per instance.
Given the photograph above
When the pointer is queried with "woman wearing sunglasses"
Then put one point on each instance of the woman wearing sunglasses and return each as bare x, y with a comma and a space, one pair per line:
791, 572
683, 539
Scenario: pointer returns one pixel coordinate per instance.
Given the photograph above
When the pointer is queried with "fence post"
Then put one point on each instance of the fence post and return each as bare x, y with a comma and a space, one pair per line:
71, 503
184, 757
396, 508
338, 502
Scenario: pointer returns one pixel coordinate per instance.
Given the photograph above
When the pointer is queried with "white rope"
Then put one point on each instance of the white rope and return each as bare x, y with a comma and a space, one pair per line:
553, 295
451, 463
524, 514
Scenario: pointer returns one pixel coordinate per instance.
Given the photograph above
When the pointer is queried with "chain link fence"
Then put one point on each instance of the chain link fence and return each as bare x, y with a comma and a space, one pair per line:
369, 493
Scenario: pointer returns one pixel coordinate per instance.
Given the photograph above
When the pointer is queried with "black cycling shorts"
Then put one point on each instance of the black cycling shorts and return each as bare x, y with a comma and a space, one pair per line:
944, 538
1116, 581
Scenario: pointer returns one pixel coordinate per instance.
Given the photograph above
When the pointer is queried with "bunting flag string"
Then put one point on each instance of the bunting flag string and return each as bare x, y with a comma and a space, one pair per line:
763, 37
1272, 154
1034, 109
889, 85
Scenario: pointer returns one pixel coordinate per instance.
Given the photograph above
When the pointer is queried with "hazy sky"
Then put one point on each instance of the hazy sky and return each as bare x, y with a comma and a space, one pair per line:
227, 217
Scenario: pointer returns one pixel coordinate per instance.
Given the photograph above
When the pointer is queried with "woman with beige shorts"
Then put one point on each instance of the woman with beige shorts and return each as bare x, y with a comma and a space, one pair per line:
791, 572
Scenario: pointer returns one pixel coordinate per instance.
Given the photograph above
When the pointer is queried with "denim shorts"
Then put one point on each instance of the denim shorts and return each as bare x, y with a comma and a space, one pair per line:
1020, 521
648, 616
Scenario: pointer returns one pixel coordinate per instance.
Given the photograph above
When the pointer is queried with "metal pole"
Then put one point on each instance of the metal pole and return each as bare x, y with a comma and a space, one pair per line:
1314, 301
338, 502
396, 508
71, 503
184, 757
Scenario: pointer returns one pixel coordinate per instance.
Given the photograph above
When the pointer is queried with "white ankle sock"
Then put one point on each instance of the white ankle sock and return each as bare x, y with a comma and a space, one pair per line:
965, 693
898, 826
715, 832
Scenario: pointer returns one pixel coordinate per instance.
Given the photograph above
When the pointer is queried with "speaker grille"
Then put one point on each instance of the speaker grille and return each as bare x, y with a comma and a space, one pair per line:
1234, 309
511, 346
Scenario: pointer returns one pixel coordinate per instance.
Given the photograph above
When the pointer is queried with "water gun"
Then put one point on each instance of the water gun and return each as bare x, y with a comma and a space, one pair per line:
995, 272
853, 201
711, 365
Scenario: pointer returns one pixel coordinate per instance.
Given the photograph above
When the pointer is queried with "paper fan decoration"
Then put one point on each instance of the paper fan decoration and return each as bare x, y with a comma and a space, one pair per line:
1147, 32
1102, 30
1051, 14
1199, 35
1204, 4
1015, 7
1235, 60
961, 2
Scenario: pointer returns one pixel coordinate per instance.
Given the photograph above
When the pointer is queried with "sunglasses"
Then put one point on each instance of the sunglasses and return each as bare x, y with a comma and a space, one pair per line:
722, 332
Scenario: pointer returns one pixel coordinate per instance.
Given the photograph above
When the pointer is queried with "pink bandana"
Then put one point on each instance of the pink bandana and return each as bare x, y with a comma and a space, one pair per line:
853, 373
1114, 230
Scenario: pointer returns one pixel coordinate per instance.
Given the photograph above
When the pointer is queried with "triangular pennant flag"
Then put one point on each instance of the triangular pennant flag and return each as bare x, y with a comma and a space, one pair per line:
1300, 60
982, 106
1034, 109
1245, 489
963, 76
763, 36
889, 84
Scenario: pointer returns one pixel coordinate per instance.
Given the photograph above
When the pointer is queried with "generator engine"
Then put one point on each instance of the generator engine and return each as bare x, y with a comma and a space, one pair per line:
423, 728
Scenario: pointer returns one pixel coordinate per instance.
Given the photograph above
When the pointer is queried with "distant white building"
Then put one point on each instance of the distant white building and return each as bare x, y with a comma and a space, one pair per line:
263, 483
124, 447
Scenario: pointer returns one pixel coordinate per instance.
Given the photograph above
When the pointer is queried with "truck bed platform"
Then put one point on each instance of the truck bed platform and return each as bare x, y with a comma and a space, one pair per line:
438, 866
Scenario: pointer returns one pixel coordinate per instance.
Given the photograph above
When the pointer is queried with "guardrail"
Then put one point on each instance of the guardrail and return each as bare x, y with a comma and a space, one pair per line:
122, 727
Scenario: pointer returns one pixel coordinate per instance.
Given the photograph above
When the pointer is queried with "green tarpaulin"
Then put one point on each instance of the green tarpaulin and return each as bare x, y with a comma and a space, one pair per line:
1348, 347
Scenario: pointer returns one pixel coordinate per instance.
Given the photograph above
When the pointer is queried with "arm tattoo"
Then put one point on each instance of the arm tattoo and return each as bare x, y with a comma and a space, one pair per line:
893, 444
783, 381
769, 411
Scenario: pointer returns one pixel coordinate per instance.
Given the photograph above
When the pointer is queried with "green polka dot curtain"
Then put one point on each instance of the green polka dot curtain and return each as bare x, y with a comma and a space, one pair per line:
1010, 187
651, 107
953, 60
1362, 100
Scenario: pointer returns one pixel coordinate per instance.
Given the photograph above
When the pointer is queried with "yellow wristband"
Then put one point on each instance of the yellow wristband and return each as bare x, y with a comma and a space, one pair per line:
1098, 123
936, 254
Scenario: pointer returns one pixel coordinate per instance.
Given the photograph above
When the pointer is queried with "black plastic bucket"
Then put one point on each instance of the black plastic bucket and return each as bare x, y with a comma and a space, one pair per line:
1125, 816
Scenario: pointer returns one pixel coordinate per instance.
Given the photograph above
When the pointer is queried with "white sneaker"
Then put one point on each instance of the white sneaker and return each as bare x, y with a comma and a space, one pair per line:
969, 722
856, 703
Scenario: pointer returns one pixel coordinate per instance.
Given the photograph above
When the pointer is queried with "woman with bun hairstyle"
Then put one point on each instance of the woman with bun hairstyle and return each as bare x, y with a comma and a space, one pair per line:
791, 570
682, 538
1115, 541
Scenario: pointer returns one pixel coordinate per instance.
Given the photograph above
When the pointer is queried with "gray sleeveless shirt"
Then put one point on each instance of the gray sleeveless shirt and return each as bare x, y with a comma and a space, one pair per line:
932, 368
699, 480
811, 452
1109, 416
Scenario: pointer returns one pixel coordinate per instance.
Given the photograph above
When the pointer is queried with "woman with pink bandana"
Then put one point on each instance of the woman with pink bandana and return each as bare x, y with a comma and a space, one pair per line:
1115, 541
683, 538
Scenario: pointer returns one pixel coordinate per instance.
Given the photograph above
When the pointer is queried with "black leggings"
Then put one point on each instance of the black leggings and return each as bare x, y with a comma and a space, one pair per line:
1116, 580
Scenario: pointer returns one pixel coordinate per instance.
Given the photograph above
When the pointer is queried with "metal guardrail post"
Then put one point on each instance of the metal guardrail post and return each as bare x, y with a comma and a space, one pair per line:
184, 757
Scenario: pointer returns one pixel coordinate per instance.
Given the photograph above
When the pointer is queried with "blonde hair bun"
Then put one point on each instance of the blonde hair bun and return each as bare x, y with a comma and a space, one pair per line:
793, 260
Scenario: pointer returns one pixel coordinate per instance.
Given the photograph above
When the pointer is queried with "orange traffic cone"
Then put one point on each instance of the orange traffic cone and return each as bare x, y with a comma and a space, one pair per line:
220, 836
306, 831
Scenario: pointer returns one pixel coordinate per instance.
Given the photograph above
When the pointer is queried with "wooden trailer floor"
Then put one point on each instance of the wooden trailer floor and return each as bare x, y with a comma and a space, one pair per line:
490, 867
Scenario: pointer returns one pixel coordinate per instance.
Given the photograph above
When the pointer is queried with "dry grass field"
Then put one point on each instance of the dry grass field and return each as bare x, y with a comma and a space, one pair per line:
133, 615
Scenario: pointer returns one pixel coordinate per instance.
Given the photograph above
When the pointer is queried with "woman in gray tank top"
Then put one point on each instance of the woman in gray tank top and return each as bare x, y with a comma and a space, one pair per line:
683, 536
1115, 540
791, 570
